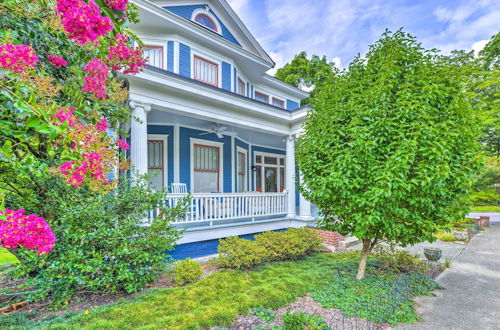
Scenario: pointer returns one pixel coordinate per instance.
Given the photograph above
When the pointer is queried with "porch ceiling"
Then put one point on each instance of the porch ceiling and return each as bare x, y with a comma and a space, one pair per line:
162, 117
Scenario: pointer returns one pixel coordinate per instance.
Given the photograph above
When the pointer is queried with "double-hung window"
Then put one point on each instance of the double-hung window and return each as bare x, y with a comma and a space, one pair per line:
242, 171
206, 71
262, 97
241, 87
156, 163
278, 103
206, 169
154, 56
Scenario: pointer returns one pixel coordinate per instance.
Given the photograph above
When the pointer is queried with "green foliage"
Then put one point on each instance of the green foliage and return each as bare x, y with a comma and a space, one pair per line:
6, 257
213, 301
446, 237
390, 149
304, 72
102, 243
380, 299
295, 243
265, 314
186, 272
486, 209
302, 321
488, 179
485, 198
392, 259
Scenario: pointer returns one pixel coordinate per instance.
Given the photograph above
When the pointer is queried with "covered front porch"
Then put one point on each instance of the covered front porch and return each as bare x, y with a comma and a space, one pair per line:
237, 175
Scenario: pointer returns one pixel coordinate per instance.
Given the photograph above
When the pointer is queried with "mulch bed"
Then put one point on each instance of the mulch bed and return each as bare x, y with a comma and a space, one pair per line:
333, 317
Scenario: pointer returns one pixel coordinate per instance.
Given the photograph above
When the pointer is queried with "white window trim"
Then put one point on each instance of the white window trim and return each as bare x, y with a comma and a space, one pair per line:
208, 57
164, 138
220, 145
245, 181
278, 166
157, 43
204, 11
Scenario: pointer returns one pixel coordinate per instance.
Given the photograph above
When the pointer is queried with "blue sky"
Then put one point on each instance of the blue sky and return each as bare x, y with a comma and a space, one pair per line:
340, 29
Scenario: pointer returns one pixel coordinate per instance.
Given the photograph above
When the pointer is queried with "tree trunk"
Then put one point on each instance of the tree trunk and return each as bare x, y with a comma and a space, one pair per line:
367, 245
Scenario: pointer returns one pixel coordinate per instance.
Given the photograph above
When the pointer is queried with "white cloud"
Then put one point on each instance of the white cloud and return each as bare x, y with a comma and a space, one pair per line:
337, 61
238, 5
478, 46
278, 59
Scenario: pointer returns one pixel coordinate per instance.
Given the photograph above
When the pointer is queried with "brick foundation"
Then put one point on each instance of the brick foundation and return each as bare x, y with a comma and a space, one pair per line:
329, 237
484, 221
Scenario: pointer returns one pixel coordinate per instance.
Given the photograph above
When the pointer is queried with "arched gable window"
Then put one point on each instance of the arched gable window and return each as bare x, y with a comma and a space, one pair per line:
206, 21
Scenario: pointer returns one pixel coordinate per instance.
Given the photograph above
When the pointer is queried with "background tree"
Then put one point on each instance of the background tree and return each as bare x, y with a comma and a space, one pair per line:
390, 148
303, 72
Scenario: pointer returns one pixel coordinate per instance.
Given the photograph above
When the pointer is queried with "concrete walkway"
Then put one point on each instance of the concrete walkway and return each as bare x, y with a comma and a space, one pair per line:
471, 298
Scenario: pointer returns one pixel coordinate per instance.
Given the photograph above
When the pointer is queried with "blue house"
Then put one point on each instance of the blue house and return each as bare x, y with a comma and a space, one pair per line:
211, 122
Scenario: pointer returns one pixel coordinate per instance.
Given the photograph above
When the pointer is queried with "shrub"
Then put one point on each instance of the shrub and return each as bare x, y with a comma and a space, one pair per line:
401, 261
239, 253
484, 198
186, 271
300, 320
265, 314
292, 244
102, 243
447, 237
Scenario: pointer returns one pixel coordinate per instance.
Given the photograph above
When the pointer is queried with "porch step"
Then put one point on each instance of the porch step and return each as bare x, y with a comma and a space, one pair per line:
349, 242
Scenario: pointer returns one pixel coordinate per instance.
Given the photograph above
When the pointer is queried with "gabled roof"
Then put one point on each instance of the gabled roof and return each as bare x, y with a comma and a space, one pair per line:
233, 28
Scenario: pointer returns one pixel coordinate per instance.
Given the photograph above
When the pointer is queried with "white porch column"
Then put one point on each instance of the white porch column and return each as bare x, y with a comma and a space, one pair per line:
290, 174
139, 138
304, 205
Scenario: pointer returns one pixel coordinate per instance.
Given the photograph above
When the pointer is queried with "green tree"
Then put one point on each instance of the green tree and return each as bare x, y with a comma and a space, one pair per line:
305, 72
390, 149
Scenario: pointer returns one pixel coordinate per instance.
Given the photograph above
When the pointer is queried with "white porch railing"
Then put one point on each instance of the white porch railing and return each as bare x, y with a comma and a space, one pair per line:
226, 206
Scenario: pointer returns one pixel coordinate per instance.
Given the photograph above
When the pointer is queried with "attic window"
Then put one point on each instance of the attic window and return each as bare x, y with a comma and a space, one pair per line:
206, 22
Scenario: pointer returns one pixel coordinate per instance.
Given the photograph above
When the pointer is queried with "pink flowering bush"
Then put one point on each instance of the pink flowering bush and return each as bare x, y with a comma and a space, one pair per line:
17, 57
82, 20
26, 231
57, 61
120, 56
117, 4
122, 144
96, 79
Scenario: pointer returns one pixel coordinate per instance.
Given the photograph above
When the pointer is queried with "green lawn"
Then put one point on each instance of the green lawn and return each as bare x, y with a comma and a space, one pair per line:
486, 209
218, 299
6, 257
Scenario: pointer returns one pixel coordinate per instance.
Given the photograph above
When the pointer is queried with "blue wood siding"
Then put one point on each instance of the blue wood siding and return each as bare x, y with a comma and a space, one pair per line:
185, 155
166, 130
184, 60
226, 76
241, 144
187, 12
291, 105
170, 56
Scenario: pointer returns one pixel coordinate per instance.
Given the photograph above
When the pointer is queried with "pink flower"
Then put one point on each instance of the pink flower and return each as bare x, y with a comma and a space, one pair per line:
120, 56
117, 4
57, 61
97, 78
82, 20
102, 125
17, 57
67, 115
26, 231
122, 144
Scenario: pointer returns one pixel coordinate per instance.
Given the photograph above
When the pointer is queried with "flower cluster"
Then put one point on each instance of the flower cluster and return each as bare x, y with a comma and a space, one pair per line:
67, 114
120, 56
97, 78
97, 158
82, 20
117, 4
26, 231
57, 61
17, 57
122, 144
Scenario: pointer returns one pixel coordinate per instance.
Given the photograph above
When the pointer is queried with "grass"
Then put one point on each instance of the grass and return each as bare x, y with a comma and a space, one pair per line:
218, 299
6, 257
214, 301
486, 209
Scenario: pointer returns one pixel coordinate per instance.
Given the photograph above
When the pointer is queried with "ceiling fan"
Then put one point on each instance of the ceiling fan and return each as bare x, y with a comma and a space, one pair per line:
220, 131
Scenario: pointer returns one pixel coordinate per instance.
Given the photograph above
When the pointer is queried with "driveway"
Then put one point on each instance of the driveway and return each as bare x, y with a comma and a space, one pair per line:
471, 298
